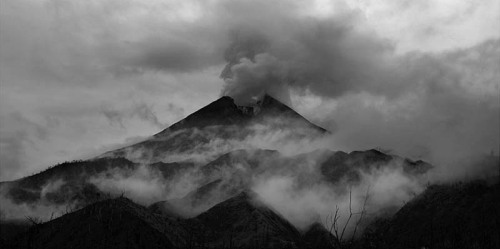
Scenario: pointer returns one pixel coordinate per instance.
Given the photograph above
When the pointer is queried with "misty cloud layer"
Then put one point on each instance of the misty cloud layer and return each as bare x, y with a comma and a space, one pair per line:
288, 179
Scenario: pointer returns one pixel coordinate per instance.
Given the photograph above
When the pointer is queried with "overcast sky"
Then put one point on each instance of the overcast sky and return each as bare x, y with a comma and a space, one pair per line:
78, 78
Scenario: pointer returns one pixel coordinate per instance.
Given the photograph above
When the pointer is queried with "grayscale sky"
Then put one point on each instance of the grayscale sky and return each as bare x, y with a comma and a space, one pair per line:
78, 78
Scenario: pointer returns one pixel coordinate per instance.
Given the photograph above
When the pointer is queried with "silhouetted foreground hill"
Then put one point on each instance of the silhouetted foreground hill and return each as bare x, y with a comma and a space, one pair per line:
461, 215
318, 237
464, 215
239, 222
116, 223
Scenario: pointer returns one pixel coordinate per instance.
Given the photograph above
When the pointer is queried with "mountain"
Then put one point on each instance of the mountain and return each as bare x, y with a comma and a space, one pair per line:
212, 144
172, 151
194, 177
221, 119
225, 112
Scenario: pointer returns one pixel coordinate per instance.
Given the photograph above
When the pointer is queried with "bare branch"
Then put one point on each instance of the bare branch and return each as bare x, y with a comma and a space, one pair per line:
350, 215
34, 221
362, 213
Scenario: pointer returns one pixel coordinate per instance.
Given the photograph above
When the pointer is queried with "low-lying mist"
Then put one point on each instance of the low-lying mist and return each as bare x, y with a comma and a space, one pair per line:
285, 169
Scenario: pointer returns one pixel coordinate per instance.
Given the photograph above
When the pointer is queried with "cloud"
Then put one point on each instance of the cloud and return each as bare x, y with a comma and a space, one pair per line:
330, 57
43, 209
448, 114
420, 78
433, 25
428, 105
142, 184
61, 61
18, 135
327, 57
142, 111
385, 189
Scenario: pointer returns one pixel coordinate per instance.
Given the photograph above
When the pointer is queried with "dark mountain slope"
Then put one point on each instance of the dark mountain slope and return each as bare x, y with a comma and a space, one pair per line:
194, 203
170, 170
271, 107
9, 229
72, 179
73, 170
220, 112
318, 237
116, 223
462, 215
69, 181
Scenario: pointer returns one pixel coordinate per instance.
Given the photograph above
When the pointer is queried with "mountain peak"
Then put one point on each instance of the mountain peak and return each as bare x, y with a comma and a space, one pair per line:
267, 101
317, 236
248, 220
222, 119
224, 111
220, 112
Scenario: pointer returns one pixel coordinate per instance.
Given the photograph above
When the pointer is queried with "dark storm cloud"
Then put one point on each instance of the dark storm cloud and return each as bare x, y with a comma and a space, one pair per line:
81, 56
141, 110
449, 112
328, 57
445, 104
331, 57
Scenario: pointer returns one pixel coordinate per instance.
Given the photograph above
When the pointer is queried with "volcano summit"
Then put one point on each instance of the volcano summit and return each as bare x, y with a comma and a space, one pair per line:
222, 123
